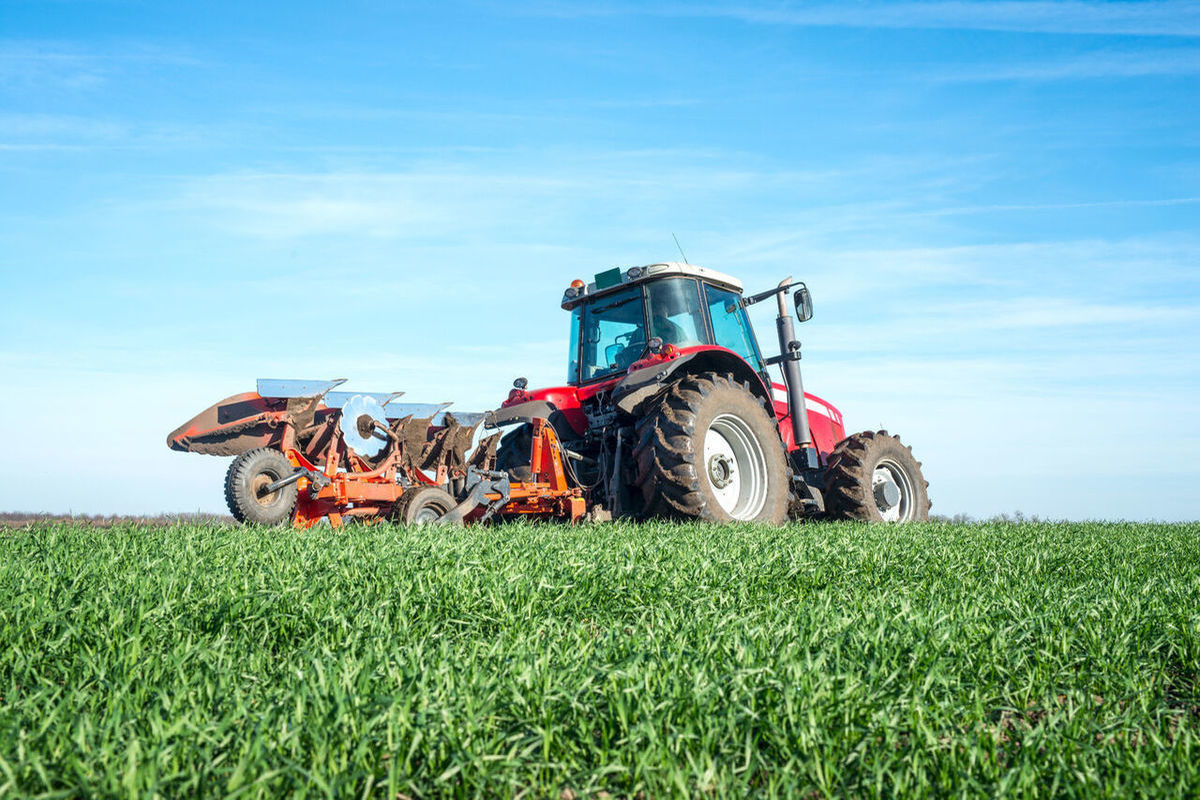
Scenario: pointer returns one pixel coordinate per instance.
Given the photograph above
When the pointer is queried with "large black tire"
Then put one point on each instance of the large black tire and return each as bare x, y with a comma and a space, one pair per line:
744, 475
514, 453
248, 475
859, 470
422, 505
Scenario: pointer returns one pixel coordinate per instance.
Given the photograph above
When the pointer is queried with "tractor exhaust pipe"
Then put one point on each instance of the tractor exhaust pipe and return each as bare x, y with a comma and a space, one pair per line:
789, 363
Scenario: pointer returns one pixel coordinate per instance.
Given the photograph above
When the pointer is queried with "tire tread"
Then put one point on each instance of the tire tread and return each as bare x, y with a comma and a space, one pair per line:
666, 454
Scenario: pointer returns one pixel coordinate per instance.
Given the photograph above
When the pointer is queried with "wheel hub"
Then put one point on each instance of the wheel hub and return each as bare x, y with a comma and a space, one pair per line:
887, 494
893, 491
720, 470
258, 488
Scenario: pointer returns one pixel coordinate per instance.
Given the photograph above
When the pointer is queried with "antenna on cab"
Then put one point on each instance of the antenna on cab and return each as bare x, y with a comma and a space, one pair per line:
676, 238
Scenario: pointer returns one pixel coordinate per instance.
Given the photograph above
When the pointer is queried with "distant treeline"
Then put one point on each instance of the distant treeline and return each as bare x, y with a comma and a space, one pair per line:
964, 519
20, 518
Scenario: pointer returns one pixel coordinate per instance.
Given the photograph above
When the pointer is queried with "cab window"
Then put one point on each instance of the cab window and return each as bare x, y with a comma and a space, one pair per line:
573, 359
731, 329
676, 315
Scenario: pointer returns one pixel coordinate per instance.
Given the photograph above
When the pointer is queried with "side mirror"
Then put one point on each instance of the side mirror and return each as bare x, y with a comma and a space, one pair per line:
803, 303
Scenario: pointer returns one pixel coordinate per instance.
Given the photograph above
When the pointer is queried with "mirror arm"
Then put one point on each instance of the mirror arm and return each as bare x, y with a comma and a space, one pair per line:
758, 298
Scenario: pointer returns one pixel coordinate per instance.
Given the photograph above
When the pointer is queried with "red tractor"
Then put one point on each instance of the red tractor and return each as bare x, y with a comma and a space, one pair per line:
669, 411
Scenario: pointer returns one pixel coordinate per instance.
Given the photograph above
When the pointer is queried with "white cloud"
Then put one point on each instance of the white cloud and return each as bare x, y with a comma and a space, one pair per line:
30, 65
383, 205
33, 132
1152, 18
37, 65
640, 192
1105, 64
42, 127
1083, 267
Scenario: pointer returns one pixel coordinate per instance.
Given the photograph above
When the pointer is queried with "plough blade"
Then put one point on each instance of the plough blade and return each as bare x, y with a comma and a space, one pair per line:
448, 446
484, 457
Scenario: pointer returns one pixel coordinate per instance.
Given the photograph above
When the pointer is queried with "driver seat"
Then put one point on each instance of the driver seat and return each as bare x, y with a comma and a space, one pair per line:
667, 330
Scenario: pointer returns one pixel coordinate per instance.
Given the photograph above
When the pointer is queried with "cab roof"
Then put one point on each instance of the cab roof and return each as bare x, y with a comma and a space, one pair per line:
616, 279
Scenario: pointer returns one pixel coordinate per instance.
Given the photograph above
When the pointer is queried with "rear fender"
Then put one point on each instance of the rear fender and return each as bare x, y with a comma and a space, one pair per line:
530, 410
643, 385
520, 412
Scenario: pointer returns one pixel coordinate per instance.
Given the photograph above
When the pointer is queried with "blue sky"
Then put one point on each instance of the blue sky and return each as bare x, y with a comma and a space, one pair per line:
996, 205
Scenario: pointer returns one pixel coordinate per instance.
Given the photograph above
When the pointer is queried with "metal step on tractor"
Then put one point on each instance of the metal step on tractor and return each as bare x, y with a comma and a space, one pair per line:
670, 409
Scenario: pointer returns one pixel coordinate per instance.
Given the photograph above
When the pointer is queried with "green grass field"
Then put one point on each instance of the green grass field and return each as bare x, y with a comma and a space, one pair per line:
654, 661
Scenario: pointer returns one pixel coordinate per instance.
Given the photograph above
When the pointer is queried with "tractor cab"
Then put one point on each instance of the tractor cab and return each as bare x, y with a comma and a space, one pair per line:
623, 316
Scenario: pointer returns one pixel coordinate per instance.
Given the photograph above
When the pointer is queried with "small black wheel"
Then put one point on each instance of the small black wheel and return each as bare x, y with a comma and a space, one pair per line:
710, 451
422, 506
246, 482
516, 448
873, 477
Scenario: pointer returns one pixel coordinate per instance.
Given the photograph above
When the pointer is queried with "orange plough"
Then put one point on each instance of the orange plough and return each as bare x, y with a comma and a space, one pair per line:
305, 453
375, 494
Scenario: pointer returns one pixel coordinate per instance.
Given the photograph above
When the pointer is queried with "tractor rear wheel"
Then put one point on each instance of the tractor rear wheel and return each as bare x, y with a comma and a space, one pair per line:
246, 482
710, 451
422, 506
872, 477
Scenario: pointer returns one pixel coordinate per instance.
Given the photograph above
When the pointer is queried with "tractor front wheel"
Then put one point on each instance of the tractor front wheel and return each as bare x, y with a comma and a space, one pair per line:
710, 451
246, 482
872, 477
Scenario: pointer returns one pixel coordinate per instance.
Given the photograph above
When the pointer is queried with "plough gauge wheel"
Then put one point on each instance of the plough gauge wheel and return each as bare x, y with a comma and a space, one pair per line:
246, 482
423, 506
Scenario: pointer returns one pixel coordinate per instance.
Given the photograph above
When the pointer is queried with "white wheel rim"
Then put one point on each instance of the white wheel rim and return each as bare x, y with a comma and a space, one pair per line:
889, 472
734, 467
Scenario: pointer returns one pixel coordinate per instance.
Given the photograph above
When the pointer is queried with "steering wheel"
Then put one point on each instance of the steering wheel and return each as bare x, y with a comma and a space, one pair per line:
625, 349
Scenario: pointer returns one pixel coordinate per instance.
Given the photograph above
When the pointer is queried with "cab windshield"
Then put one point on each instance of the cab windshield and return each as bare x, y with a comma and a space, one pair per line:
613, 334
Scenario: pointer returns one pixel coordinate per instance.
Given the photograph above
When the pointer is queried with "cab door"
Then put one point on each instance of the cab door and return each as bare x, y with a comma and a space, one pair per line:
731, 329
